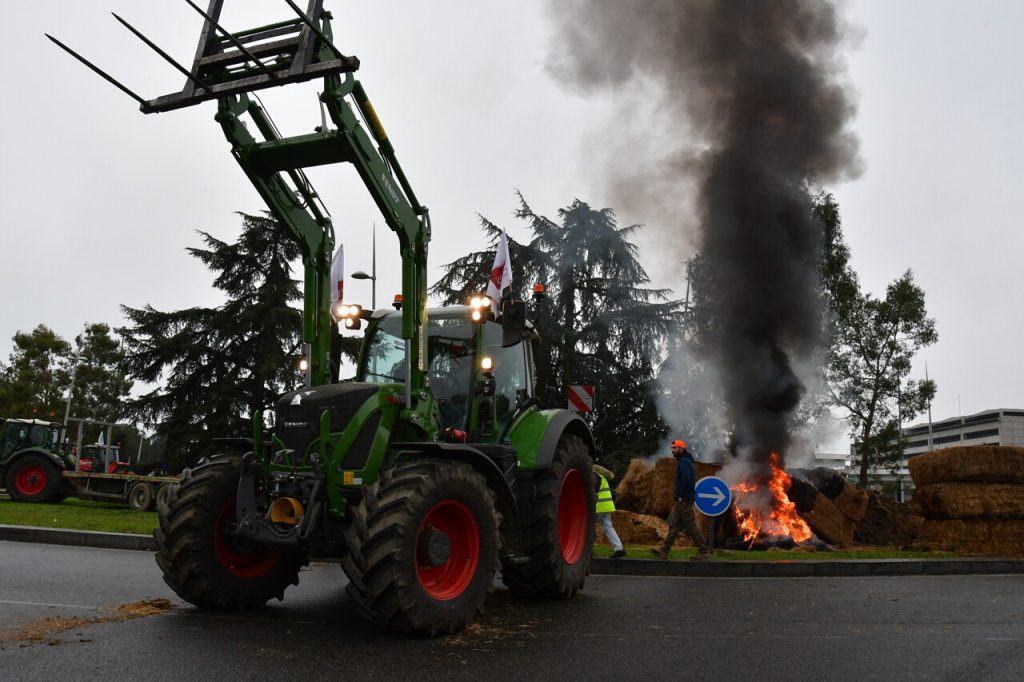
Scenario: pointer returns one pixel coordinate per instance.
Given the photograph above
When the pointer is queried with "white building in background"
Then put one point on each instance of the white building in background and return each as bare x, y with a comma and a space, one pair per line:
831, 460
992, 427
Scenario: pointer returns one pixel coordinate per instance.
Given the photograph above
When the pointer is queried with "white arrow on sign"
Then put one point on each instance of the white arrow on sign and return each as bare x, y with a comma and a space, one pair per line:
717, 496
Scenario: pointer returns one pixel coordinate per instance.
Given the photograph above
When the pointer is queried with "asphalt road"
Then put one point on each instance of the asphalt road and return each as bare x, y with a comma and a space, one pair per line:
620, 627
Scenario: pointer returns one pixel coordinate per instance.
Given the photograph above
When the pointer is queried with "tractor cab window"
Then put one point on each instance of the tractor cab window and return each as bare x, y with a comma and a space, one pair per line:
511, 375
385, 355
38, 435
451, 373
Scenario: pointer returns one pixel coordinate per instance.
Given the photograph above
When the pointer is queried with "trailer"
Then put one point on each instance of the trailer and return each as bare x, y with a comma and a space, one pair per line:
141, 493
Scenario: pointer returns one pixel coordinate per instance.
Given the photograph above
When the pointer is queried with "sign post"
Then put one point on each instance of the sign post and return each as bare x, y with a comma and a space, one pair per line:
712, 498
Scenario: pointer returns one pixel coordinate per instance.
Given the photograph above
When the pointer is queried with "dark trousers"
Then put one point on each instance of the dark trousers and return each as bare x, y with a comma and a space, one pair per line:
681, 519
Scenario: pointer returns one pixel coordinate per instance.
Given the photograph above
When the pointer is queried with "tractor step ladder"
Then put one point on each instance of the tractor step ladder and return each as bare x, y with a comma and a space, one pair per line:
291, 51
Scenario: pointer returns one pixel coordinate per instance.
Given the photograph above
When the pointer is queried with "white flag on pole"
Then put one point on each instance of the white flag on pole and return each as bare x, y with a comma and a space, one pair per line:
501, 273
338, 277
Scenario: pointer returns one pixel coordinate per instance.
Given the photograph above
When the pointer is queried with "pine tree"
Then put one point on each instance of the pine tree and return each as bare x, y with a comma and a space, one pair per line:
214, 368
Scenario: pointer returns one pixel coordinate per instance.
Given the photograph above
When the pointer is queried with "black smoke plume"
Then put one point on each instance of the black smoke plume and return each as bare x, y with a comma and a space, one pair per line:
751, 97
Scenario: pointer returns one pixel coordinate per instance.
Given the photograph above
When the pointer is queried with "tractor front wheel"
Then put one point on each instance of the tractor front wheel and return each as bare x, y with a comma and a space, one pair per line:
561, 526
34, 478
423, 548
202, 558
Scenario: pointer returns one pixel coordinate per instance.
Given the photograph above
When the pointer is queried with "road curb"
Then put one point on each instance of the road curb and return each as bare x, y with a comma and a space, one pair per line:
627, 566
806, 568
78, 538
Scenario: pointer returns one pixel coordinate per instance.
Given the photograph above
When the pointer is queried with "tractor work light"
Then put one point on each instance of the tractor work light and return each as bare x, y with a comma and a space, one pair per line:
344, 311
480, 308
486, 363
480, 302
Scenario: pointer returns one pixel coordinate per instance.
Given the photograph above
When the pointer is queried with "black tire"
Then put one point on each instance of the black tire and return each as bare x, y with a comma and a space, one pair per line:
202, 560
140, 497
561, 526
394, 579
34, 478
162, 495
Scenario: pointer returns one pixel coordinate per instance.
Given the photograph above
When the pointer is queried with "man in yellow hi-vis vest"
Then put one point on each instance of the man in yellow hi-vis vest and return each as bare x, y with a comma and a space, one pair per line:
605, 507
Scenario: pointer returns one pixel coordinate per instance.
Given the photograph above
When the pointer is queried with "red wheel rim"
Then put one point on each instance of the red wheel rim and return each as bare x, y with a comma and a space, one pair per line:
31, 480
572, 516
240, 562
451, 578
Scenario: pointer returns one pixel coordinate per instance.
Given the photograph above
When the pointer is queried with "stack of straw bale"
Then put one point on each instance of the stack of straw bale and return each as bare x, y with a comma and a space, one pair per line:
972, 499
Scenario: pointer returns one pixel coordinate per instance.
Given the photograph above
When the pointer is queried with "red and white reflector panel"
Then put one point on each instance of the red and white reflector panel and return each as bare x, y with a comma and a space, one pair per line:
581, 398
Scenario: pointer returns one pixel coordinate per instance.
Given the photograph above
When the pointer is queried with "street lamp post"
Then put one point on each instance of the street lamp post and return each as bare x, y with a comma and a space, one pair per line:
359, 274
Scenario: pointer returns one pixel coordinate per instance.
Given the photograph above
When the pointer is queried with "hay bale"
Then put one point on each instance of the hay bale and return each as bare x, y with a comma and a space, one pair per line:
634, 529
663, 487
828, 522
971, 500
639, 529
853, 502
828, 482
887, 522
973, 464
964, 536
633, 492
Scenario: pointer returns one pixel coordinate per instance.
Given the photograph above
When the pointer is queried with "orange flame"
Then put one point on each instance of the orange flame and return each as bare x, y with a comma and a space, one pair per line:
781, 521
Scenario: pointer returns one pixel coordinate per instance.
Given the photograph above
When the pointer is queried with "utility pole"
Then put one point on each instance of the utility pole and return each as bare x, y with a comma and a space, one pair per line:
71, 387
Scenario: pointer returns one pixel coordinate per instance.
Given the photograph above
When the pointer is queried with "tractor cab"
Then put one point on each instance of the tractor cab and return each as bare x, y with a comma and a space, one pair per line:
478, 372
18, 434
101, 459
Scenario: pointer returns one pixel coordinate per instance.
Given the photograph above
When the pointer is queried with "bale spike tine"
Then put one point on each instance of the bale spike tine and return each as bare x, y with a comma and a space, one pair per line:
167, 57
313, 27
101, 72
235, 41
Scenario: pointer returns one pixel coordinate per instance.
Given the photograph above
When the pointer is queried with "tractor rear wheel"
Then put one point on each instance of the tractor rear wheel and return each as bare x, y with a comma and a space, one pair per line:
34, 478
140, 497
423, 547
203, 560
561, 527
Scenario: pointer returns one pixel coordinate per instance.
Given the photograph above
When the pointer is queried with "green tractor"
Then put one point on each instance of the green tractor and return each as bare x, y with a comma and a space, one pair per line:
432, 471
32, 460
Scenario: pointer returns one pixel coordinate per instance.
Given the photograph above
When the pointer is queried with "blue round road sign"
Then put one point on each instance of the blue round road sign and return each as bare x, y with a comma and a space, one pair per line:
713, 496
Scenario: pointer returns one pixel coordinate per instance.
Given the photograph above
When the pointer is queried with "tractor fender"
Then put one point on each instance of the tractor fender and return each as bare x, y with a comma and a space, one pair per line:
457, 452
55, 459
561, 422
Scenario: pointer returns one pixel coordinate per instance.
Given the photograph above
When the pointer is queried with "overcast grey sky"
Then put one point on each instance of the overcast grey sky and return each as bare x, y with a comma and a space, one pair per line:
98, 202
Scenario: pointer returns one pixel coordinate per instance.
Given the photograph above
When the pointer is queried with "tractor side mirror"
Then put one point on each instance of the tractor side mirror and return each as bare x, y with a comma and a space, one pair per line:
513, 322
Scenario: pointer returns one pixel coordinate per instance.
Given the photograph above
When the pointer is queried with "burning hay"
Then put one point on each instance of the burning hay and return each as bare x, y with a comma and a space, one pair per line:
972, 499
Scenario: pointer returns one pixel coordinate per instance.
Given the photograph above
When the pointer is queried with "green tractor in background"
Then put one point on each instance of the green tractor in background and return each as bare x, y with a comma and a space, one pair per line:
431, 471
32, 460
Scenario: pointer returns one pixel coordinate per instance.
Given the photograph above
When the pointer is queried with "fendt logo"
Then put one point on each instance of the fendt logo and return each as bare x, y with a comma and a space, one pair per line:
387, 185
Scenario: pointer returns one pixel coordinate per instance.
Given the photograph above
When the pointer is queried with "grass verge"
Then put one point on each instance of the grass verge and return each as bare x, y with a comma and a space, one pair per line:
77, 515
